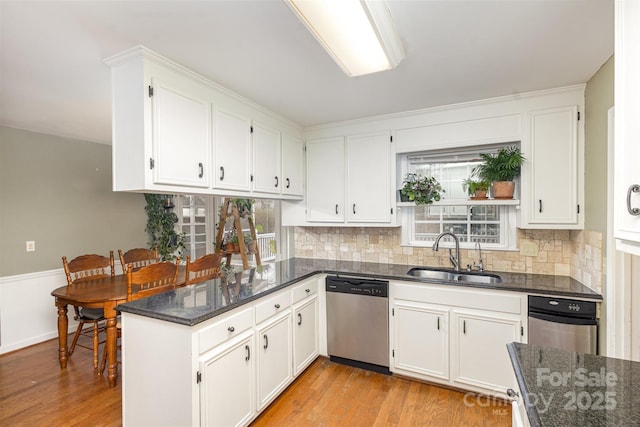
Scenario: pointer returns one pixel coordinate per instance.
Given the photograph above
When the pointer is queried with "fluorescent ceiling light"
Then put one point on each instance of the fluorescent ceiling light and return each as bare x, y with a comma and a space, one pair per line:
358, 34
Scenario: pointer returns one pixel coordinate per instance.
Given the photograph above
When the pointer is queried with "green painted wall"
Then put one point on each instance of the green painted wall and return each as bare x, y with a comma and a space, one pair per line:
598, 100
57, 192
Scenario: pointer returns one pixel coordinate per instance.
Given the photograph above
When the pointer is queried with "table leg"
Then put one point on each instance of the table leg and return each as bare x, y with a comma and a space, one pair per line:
63, 323
111, 345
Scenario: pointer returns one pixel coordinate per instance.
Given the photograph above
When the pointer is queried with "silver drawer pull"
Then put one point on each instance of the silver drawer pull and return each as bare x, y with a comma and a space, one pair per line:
231, 329
512, 393
635, 188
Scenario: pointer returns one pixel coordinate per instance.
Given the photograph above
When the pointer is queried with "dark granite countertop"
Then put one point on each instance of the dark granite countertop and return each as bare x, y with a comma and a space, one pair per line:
563, 388
196, 303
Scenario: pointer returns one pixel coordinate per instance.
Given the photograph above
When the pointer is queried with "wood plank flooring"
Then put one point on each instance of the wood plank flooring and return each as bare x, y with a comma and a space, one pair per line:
331, 394
34, 391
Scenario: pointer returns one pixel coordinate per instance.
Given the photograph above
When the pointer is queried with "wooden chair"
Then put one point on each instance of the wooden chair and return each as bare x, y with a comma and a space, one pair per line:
138, 257
82, 269
202, 269
150, 280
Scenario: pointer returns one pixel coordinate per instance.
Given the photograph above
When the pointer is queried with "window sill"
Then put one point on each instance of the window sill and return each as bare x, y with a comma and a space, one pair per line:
465, 202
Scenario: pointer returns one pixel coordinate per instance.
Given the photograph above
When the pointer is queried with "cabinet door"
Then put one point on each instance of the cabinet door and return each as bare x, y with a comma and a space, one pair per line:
305, 334
266, 160
232, 157
421, 340
369, 177
481, 358
325, 180
292, 166
227, 390
554, 168
274, 359
626, 202
181, 135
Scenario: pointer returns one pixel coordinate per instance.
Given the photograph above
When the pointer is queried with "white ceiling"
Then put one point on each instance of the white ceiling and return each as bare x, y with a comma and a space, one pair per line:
53, 79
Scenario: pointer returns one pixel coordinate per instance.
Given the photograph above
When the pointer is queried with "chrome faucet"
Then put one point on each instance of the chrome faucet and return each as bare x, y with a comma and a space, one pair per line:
480, 263
455, 261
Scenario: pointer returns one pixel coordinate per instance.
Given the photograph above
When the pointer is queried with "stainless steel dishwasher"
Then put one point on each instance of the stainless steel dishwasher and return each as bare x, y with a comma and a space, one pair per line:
358, 322
566, 324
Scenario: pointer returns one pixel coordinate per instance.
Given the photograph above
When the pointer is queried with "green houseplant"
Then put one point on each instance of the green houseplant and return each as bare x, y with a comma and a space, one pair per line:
420, 189
244, 206
476, 188
160, 227
500, 168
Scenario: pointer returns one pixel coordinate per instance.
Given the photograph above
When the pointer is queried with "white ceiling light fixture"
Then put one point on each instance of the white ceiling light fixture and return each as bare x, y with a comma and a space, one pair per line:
359, 35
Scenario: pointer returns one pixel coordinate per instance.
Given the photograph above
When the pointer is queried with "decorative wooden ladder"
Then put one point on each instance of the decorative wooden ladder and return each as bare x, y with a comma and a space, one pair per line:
244, 251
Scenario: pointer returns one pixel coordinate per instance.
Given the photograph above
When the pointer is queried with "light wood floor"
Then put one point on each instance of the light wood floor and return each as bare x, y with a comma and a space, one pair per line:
331, 394
34, 391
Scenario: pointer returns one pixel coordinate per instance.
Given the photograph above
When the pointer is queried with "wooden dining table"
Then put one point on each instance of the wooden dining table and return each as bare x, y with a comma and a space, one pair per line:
105, 293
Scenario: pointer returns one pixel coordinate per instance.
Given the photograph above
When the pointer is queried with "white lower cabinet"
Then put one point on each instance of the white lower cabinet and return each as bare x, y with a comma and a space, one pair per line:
455, 337
305, 334
481, 340
227, 392
225, 371
274, 358
421, 335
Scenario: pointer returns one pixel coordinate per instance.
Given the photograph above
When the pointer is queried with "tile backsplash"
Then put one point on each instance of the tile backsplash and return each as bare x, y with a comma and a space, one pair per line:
560, 252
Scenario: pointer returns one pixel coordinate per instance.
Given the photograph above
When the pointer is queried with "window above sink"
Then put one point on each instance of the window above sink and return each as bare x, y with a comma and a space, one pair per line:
490, 222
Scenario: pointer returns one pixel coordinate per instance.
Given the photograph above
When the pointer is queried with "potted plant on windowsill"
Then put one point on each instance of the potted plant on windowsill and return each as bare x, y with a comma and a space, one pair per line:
476, 188
500, 169
421, 189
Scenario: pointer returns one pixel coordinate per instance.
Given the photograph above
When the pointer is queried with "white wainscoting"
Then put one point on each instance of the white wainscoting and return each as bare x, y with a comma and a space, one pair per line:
28, 314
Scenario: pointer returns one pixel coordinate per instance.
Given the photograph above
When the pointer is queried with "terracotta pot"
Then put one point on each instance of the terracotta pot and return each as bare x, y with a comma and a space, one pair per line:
479, 195
233, 247
503, 189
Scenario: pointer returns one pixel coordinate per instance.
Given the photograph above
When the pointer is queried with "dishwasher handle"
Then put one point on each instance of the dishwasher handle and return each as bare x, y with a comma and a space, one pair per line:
567, 320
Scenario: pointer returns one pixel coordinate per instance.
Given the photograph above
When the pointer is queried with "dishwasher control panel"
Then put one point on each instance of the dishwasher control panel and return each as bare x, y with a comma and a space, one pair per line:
358, 286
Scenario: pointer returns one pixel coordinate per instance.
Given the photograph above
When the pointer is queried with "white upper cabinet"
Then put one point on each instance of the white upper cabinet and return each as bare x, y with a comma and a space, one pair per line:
232, 141
349, 179
266, 160
292, 166
626, 204
161, 128
552, 176
181, 136
325, 180
175, 131
369, 177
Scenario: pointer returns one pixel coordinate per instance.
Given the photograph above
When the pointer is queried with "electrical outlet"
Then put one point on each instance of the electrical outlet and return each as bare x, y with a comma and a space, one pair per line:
528, 248
31, 246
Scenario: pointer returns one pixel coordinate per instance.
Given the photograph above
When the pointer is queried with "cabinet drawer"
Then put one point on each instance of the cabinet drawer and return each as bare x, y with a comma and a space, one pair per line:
227, 328
272, 306
304, 290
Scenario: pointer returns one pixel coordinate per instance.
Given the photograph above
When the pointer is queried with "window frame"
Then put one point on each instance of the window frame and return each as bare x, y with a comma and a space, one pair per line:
410, 163
507, 238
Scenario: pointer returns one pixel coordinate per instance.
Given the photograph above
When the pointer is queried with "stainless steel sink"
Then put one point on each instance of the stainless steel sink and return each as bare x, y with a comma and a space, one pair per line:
452, 276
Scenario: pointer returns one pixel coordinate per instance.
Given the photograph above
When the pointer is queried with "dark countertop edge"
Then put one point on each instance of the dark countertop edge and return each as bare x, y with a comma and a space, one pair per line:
407, 278
532, 412
500, 287
212, 314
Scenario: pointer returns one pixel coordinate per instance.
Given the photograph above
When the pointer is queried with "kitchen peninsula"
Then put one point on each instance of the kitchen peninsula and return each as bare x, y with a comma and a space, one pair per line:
560, 388
234, 346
